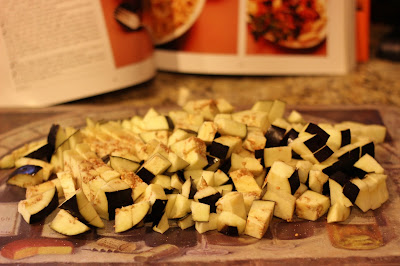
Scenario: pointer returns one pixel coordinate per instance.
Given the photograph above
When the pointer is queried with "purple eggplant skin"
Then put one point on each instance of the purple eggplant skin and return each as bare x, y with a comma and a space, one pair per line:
294, 182
289, 137
259, 154
26, 170
157, 211
51, 137
315, 143
218, 150
118, 199
346, 137
211, 200
71, 205
230, 230
351, 191
341, 178
41, 215
323, 154
43, 153
193, 189
145, 175
315, 129
274, 136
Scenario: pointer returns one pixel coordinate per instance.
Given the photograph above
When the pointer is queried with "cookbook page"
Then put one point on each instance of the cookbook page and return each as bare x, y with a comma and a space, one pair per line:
57, 51
254, 37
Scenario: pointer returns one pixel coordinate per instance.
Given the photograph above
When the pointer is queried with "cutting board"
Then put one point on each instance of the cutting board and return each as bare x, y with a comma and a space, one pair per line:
372, 237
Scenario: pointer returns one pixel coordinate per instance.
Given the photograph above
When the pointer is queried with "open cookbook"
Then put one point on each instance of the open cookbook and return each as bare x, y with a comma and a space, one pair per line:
58, 51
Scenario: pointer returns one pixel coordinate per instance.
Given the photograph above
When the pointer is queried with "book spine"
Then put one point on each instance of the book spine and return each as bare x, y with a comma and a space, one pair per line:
363, 30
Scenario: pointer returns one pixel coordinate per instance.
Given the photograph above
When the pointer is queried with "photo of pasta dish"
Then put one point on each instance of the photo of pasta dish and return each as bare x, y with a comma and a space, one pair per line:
294, 24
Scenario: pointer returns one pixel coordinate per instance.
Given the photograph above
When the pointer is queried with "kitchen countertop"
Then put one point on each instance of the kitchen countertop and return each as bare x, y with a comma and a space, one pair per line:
374, 82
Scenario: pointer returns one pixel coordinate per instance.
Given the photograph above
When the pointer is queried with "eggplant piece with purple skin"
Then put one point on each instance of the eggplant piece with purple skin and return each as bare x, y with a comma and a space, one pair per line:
54, 138
209, 196
230, 224
289, 137
213, 163
315, 129
340, 177
259, 154
368, 148
225, 166
189, 188
44, 153
315, 143
323, 154
37, 208
351, 191
350, 157
145, 175
118, 199
218, 150
157, 211
346, 137
171, 124
274, 136
25, 176
294, 182
80, 207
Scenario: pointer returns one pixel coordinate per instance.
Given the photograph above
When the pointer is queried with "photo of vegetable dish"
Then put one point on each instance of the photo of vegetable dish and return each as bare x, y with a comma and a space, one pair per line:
294, 24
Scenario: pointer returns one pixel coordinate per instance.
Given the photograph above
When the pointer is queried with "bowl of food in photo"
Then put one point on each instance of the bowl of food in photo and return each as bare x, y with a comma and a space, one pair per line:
293, 24
172, 18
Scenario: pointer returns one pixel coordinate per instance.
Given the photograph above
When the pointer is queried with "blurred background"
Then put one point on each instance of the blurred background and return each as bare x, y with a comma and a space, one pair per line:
375, 81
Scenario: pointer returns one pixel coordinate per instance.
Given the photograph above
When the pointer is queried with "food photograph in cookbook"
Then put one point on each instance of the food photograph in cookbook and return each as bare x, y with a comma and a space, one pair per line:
130, 42
292, 27
210, 26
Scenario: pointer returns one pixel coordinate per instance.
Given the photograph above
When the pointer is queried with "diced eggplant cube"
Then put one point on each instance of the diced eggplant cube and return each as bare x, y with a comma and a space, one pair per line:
43, 153
25, 176
368, 148
315, 129
357, 172
289, 137
323, 154
170, 122
225, 166
340, 177
230, 230
326, 189
118, 199
71, 205
145, 175
350, 157
333, 168
351, 191
157, 211
274, 136
210, 199
38, 207
218, 150
213, 163
259, 154
315, 143
346, 137
294, 182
